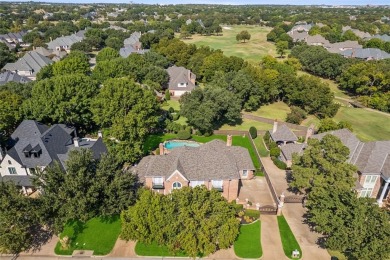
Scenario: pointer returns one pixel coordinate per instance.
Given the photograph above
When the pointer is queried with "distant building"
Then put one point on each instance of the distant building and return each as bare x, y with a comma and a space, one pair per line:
8, 76
64, 43
366, 54
181, 80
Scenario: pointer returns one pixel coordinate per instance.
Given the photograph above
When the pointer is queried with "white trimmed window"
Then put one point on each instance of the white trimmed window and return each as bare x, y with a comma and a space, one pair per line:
244, 173
370, 181
366, 192
176, 185
193, 184
11, 170
218, 184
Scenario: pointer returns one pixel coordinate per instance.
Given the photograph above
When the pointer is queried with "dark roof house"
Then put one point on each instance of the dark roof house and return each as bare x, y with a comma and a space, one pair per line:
366, 54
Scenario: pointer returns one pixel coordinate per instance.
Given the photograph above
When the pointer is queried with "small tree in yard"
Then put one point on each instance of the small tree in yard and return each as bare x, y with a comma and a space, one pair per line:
281, 47
296, 116
253, 132
243, 35
167, 95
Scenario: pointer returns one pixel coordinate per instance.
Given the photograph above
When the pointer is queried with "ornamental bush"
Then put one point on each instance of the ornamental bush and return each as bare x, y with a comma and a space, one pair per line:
253, 132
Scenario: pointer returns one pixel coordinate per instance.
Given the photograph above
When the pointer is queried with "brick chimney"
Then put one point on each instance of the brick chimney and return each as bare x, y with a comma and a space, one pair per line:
161, 148
309, 133
229, 140
76, 142
275, 126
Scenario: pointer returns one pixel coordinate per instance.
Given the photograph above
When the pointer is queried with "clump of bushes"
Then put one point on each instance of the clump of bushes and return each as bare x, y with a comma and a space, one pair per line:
296, 116
184, 134
274, 152
281, 165
253, 132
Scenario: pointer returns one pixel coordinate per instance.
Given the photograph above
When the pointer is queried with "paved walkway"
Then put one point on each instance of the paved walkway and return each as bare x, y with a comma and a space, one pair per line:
270, 239
123, 248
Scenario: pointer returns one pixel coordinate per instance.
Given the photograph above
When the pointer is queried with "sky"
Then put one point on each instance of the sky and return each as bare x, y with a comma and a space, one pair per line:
236, 2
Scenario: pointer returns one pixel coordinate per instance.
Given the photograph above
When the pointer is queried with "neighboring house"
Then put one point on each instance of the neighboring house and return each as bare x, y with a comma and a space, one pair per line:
46, 16
14, 38
34, 145
339, 47
357, 32
316, 40
10, 46
133, 41
188, 22
384, 37
201, 23
215, 165
29, 65
126, 51
64, 43
54, 55
8, 76
300, 28
372, 160
282, 135
298, 36
366, 54
181, 80
117, 28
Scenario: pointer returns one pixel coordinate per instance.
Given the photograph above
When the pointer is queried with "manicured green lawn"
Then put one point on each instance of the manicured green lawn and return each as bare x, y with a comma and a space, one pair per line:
97, 234
261, 146
245, 142
277, 110
252, 50
246, 124
248, 243
205, 139
171, 103
289, 241
154, 249
367, 125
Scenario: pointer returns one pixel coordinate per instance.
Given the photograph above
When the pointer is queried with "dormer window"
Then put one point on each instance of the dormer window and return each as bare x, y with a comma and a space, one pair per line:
27, 151
182, 84
36, 151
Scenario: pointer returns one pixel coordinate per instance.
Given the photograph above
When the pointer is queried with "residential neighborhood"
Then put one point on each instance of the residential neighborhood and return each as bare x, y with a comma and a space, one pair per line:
203, 130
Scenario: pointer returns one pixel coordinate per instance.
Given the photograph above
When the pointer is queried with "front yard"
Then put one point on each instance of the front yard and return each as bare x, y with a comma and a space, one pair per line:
97, 234
248, 244
153, 249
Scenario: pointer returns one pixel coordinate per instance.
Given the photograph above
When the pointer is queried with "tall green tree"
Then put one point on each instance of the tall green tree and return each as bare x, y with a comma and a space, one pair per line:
194, 220
9, 113
243, 36
75, 63
20, 220
281, 47
107, 54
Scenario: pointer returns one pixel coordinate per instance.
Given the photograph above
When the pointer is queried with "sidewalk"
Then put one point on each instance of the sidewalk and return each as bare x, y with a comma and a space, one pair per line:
270, 239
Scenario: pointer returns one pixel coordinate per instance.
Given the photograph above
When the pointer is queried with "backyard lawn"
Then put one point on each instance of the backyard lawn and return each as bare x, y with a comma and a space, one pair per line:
259, 143
277, 110
154, 249
97, 234
252, 50
289, 241
248, 244
246, 143
152, 141
246, 124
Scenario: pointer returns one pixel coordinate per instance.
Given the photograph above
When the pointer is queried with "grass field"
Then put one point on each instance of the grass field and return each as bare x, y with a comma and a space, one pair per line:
154, 249
261, 146
246, 124
277, 110
289, 241
253, 50
97, 234
248, 244
176, 106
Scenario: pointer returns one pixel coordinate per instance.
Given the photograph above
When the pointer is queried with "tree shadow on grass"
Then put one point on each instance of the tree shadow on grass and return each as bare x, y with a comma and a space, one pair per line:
109, 219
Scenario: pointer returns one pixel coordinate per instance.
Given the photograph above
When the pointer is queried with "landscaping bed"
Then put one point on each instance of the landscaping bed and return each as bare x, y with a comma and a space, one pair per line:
289, 241
97, 234
248, 243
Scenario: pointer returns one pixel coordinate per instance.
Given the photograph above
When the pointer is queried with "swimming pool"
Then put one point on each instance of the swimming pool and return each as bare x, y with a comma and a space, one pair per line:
174, 144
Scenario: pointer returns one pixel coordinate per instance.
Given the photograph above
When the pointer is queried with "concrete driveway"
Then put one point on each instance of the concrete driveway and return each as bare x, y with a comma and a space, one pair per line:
256, 191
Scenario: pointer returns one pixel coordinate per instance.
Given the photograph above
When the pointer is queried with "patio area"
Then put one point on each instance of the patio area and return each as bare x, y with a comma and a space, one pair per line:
256, 191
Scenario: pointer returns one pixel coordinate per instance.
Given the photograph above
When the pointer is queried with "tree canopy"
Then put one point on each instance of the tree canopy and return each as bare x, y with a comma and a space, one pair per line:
194, 220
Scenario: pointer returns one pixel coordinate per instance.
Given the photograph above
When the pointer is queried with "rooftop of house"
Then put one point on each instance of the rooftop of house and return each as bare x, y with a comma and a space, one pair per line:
133, 39
302, 27
369, 157
8, 76
17, 36
31, 61
367, 54
126, 51
315, 39
211, 161
50, 143
384, 37
68, 40
181, 78
289, 149
283, 134
298, 36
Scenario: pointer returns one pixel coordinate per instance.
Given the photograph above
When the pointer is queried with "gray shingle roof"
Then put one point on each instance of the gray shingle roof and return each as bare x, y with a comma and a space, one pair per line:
384, 37
16, 37
338, 47
298, 36
66, 40
316, 40
346, 137
54, 143
133, 40
180, 79
125, 52
283, 133
367, 54
8, 76
31, 61
211, 161
288, 150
